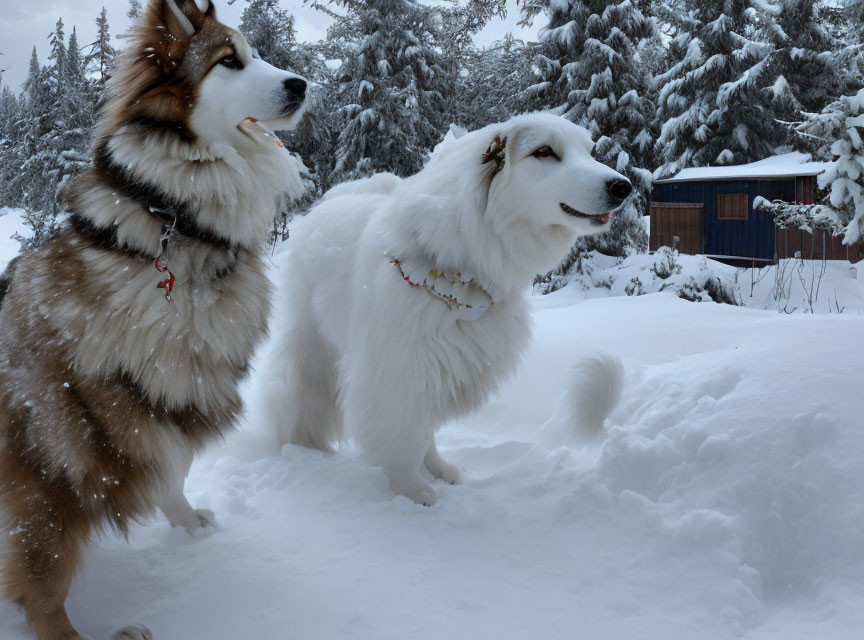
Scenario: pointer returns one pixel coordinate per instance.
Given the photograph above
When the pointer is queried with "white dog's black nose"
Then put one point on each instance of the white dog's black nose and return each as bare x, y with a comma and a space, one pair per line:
618, 190
296, 87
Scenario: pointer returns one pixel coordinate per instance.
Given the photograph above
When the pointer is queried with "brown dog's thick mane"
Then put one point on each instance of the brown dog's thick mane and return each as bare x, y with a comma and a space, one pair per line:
146, 151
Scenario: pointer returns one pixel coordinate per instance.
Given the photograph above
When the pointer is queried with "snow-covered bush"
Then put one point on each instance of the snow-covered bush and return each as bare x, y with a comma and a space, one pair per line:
694, 278
699, 282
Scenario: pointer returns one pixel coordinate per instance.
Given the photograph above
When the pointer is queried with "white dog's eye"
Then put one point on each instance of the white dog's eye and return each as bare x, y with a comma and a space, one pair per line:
546, 152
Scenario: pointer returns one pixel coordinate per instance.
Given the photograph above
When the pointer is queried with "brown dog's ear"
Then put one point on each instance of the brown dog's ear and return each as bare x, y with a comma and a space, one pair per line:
183, 18
497, 154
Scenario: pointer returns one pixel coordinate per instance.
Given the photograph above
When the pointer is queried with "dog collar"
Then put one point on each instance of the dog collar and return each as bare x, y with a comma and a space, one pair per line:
155, 202
173, 215
464, 296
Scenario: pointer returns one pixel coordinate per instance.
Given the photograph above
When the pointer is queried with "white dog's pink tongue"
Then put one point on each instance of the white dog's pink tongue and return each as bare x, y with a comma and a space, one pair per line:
604, 218
255, 130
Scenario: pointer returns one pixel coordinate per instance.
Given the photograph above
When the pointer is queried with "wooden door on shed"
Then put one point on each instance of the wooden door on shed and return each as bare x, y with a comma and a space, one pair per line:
681, 219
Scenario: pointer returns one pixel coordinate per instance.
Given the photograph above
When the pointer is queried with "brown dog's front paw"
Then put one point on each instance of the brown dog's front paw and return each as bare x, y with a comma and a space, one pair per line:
133, 632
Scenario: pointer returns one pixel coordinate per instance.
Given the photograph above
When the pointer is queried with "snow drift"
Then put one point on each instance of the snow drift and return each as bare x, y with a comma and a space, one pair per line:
724, 502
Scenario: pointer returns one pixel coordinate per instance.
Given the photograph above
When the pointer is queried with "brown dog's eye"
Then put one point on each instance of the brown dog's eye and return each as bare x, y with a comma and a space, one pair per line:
546, 152
231, 62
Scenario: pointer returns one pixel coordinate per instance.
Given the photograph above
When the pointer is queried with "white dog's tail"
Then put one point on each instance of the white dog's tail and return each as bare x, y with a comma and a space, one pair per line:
595, 391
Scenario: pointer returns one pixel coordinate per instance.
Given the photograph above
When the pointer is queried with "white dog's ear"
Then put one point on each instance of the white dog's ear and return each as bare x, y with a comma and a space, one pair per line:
496, 154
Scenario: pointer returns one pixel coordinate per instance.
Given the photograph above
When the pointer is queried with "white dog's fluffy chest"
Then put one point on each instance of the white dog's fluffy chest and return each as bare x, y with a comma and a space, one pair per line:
404, 339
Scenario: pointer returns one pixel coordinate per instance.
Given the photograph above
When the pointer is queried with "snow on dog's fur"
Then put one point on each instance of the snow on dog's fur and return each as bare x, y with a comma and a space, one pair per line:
107, 390
391, 362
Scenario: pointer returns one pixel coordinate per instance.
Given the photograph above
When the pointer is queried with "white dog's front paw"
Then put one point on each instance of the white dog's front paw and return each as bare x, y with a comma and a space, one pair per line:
416, 490
450, 474
133, 632
203, 518
445, 471
440, 468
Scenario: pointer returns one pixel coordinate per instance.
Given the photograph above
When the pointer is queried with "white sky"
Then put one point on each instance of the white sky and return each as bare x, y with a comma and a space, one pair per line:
28, 23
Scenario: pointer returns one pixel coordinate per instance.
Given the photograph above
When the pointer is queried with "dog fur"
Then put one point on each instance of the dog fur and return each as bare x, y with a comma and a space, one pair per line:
366, 354
107, 390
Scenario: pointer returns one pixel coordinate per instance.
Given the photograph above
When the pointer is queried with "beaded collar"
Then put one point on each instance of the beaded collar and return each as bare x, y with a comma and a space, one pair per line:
462, 295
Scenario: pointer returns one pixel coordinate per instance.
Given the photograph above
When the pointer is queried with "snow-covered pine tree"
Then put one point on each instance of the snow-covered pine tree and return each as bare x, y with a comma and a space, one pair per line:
394, 87
711, 104
73, 117
133, 13
57, 71
9, 120
76, 84
854, 21
270, 30
28, 186
134, 10
852, 33
100, 59
487, 79
839, 130
491, 82
591, 72
8, 112
743, 69
461, 22
807, 66
54, 118
36, 100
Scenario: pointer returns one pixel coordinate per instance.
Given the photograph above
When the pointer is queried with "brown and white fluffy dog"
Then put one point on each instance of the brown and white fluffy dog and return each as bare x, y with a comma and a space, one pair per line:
107, 390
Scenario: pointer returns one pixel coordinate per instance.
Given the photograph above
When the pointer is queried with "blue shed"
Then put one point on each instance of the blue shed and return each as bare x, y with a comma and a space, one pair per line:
710, 209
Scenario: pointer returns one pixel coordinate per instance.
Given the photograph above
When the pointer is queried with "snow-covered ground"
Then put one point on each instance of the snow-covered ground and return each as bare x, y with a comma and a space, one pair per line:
725, 502
10, 224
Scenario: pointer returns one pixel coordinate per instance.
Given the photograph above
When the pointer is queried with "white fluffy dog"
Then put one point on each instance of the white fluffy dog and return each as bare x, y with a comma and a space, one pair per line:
405, 298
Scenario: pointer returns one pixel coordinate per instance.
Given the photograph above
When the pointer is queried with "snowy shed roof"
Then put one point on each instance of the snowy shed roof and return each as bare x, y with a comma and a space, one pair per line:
787, 165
